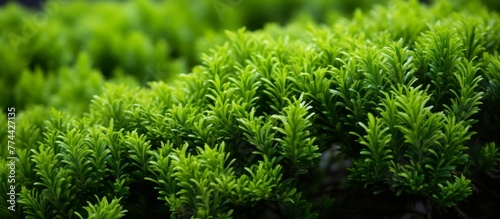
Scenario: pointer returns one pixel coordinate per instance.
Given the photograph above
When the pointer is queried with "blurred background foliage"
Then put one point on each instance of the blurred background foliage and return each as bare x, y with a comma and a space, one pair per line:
130, 41
125, 41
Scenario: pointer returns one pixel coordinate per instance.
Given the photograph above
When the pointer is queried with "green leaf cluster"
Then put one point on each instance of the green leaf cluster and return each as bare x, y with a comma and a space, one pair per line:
407, 93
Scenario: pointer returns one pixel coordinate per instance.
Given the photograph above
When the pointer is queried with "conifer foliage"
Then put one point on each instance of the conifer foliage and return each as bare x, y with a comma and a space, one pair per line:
407, 93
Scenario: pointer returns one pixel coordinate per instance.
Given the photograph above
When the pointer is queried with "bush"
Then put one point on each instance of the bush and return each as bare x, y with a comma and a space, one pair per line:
146, 40
404, 95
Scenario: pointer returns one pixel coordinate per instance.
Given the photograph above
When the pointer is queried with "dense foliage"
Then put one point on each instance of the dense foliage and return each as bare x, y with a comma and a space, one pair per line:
403, 97
130, 41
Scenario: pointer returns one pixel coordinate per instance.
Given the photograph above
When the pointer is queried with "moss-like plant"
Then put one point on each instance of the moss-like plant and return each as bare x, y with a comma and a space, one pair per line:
402, 93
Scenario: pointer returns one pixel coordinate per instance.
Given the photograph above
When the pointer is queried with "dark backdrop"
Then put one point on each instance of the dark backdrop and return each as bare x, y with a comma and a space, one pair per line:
29, 3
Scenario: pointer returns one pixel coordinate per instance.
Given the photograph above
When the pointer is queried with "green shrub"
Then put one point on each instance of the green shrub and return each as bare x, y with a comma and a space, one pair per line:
403, 93
148, 40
